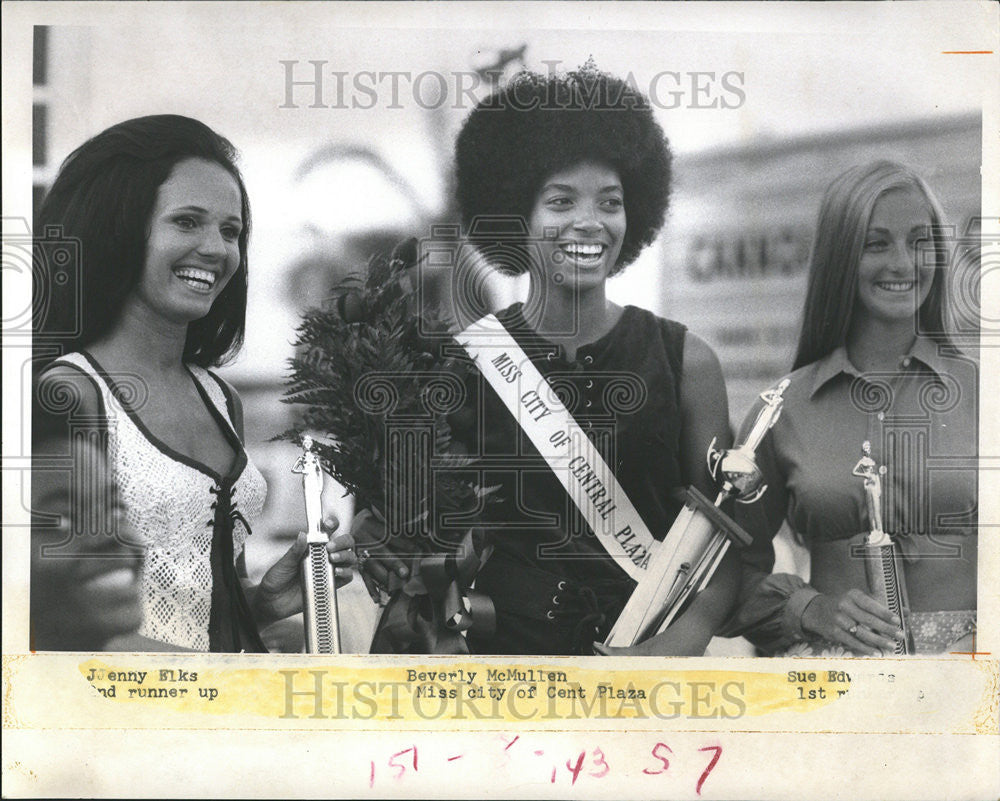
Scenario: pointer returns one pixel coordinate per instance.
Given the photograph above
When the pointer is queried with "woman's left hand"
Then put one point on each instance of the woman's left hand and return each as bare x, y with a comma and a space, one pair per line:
642, 649
661, 645
280, 592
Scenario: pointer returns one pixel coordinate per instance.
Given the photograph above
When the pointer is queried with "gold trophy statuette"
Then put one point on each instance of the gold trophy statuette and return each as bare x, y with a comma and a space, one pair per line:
319, 593
699, 538
883, 566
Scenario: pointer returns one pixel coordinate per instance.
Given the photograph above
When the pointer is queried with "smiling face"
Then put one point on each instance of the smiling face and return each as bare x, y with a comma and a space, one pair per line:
893, 278
193, 246
578, 224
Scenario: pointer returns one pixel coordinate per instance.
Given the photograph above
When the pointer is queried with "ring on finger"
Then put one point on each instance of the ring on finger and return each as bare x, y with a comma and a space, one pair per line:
853, 630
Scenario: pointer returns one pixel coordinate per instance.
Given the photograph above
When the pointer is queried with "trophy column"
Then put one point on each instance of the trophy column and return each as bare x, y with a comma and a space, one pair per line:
883, 567
319, 593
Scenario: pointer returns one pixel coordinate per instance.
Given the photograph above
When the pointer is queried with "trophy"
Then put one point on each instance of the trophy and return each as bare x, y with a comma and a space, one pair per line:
689, 555
883, 566
319, 593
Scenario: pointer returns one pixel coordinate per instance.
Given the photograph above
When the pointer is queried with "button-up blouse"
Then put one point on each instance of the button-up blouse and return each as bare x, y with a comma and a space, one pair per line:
921, 420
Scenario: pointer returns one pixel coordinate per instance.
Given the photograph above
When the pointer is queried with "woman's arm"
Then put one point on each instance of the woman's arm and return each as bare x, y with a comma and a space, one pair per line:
64, 389
68, 495
769, 607
704, 417
704, 413
776, 610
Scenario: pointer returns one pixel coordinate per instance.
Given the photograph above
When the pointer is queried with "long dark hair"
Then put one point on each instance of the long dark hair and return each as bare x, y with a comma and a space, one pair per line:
100, 207
833, 265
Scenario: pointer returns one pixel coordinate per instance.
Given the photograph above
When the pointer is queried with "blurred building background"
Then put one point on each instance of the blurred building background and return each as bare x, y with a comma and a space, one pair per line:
331, 184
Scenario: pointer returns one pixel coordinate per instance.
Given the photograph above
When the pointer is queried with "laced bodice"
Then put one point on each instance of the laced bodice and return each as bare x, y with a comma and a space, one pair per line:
180, 507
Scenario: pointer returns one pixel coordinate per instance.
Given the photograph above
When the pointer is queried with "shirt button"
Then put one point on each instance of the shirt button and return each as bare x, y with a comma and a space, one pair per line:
588, 359
906, 361
881, 416
590, 385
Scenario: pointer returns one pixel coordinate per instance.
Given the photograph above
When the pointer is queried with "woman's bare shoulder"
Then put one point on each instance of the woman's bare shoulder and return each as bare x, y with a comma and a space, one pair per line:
64, 387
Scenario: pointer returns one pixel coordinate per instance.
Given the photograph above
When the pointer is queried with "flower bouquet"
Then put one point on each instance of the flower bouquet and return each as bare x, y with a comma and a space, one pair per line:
375, 390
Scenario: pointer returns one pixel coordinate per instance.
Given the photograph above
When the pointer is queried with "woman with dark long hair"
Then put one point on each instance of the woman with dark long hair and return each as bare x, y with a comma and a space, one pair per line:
161, 222
874, 364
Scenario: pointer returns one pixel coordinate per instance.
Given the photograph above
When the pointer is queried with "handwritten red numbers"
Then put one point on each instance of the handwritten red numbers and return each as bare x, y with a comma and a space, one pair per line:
712, 763
592, 763
400, 768
601, 763
575, 769
658, 750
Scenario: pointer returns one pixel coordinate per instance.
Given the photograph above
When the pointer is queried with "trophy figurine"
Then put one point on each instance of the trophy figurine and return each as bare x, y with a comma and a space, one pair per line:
883, 567
319, 593
689, 555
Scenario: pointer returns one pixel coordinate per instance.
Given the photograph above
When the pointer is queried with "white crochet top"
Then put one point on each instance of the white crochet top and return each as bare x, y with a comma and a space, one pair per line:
171, 499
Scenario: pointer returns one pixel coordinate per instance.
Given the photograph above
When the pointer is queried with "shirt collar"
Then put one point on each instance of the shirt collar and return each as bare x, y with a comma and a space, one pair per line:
930, 353
830, 366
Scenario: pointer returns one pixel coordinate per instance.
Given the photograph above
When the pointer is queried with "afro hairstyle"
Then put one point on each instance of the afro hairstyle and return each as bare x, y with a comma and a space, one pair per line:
537, 125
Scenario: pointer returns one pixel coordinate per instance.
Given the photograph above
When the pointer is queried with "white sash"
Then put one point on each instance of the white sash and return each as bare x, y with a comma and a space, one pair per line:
565, 446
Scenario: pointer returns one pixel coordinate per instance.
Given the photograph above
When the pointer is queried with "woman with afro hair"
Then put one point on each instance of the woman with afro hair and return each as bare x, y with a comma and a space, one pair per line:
578, 168
566, 178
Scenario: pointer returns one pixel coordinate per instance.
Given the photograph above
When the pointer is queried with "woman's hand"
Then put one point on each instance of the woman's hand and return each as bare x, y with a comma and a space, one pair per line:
377, 563
669, 643
688, 636
854, 620
280, 592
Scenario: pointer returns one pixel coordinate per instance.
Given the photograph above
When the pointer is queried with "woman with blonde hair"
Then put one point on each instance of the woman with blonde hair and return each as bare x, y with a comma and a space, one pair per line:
875, 364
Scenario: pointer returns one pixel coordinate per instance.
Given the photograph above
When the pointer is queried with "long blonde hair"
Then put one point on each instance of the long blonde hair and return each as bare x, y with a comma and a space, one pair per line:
833, 264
